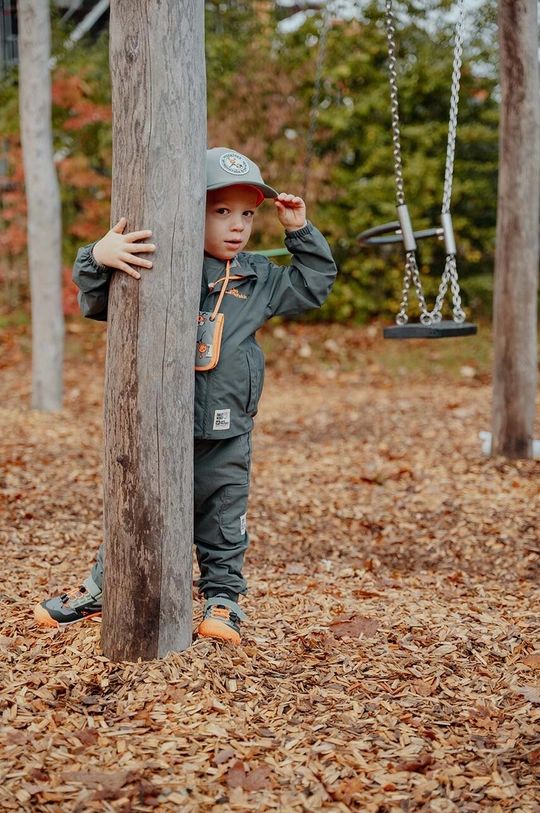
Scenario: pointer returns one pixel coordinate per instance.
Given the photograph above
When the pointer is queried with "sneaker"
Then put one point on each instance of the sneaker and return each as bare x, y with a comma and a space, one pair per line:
69, 608
221, 619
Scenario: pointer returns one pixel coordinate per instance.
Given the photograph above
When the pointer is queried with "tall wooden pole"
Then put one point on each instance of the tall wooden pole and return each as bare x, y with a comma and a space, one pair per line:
43, 198
516, 260
159, 141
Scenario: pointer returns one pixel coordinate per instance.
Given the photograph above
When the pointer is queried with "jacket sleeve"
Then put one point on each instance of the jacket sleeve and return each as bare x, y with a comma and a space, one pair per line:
93, 281
306, 283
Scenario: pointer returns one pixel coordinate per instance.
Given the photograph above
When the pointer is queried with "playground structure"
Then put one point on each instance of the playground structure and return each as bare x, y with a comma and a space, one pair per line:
431, 324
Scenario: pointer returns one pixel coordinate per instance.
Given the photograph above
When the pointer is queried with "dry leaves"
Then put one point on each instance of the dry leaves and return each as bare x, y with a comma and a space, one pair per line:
391, 660
354, 627
255, 779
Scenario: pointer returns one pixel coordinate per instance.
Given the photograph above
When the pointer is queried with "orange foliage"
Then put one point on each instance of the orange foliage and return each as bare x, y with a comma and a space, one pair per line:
93, 219
69, 293
87, 113
77, 171
13, 239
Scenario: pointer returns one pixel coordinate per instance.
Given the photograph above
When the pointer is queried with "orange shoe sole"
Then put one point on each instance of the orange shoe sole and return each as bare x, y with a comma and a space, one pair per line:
210, 628
44, 619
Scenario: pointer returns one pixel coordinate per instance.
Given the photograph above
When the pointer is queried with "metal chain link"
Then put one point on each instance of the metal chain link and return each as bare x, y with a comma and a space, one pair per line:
392, 75
454, 102
412, 275
314, 113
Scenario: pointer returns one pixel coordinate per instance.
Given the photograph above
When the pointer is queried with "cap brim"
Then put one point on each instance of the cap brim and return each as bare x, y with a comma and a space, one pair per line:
267, 191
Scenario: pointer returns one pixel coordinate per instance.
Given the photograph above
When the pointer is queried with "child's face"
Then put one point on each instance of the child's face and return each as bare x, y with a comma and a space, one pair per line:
229, 220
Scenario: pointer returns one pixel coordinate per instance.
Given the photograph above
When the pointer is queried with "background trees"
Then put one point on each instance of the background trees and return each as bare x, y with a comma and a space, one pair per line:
43, 197
260, 85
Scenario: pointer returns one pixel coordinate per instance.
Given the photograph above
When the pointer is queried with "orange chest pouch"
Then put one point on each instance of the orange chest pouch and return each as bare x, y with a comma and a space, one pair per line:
210, 331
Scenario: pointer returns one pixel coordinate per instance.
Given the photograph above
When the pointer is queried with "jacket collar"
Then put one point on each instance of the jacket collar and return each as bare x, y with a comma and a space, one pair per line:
214, 269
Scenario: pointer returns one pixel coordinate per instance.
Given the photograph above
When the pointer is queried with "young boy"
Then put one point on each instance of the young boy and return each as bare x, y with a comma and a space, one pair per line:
227, 396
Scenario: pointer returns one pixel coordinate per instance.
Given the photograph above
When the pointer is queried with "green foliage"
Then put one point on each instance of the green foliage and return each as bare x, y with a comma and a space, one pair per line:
356, 134
260, 90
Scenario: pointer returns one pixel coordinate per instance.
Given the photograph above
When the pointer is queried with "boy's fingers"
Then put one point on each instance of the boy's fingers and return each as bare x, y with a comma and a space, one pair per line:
284, 197
137, 248
138, 235
120, 226
128, 270
292, 203
134, 260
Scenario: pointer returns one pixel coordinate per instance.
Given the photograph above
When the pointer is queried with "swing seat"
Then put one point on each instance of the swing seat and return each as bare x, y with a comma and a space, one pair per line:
444, 329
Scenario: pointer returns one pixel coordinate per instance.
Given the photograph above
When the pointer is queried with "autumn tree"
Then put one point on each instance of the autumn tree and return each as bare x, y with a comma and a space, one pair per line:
43, 197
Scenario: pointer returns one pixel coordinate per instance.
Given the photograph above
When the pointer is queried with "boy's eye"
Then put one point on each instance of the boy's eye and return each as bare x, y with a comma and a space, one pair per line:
249, 213
222, 210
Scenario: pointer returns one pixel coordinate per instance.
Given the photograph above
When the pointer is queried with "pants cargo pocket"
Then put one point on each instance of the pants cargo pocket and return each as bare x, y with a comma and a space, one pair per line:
221, 538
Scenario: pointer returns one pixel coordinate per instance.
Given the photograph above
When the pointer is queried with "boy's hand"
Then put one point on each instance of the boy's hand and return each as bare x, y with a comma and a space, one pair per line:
117, 249
291, 211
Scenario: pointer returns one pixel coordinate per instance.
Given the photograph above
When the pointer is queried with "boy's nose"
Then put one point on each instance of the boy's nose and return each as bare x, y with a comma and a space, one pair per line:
238, 225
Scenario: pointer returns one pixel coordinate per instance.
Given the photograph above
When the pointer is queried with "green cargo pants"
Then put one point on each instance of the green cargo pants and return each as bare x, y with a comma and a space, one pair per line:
221, 490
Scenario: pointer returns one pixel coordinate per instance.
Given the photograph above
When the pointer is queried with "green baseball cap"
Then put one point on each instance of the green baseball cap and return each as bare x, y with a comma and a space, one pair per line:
226, 167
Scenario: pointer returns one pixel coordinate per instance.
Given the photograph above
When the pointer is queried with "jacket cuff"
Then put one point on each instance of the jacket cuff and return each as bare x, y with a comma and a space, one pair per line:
303, 232
87, 256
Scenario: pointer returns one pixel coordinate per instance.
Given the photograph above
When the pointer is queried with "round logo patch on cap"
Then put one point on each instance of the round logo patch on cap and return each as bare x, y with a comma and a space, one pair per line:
234, 163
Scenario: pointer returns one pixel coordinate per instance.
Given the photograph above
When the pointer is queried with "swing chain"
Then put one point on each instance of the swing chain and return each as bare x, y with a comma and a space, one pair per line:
412, 274
450, 275
396, 132
314, 113
454, 102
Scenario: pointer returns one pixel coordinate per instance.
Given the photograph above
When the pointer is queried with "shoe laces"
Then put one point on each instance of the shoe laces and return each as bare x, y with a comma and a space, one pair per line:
222, 613
71, 595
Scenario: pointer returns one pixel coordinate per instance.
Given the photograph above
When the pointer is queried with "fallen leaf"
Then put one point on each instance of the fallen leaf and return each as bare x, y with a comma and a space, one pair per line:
423, 688
484, 717
530, 693
88, 736
17, 738
354, 627
347, 789
532, 660
533, 757
223, 756
257, 779
236, 775
419, 764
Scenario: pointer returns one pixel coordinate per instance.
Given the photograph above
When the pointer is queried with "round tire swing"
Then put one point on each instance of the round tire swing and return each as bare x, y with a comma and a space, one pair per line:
431, 325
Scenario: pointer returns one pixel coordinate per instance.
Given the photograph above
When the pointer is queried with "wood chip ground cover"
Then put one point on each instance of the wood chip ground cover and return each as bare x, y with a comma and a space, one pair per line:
392, 657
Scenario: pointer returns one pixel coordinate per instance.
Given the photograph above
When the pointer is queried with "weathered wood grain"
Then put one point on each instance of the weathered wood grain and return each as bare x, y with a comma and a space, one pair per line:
516, 260
159, 137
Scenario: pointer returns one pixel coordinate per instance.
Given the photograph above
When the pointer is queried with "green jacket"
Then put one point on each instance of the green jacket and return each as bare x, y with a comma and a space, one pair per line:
227, 397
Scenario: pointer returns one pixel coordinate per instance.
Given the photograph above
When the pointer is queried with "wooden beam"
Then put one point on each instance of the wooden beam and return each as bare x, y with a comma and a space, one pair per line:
516, 260
159, 145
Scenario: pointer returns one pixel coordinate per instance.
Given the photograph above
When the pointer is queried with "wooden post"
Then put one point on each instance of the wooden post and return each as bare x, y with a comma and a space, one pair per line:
159, 142
516, 260
43, 199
